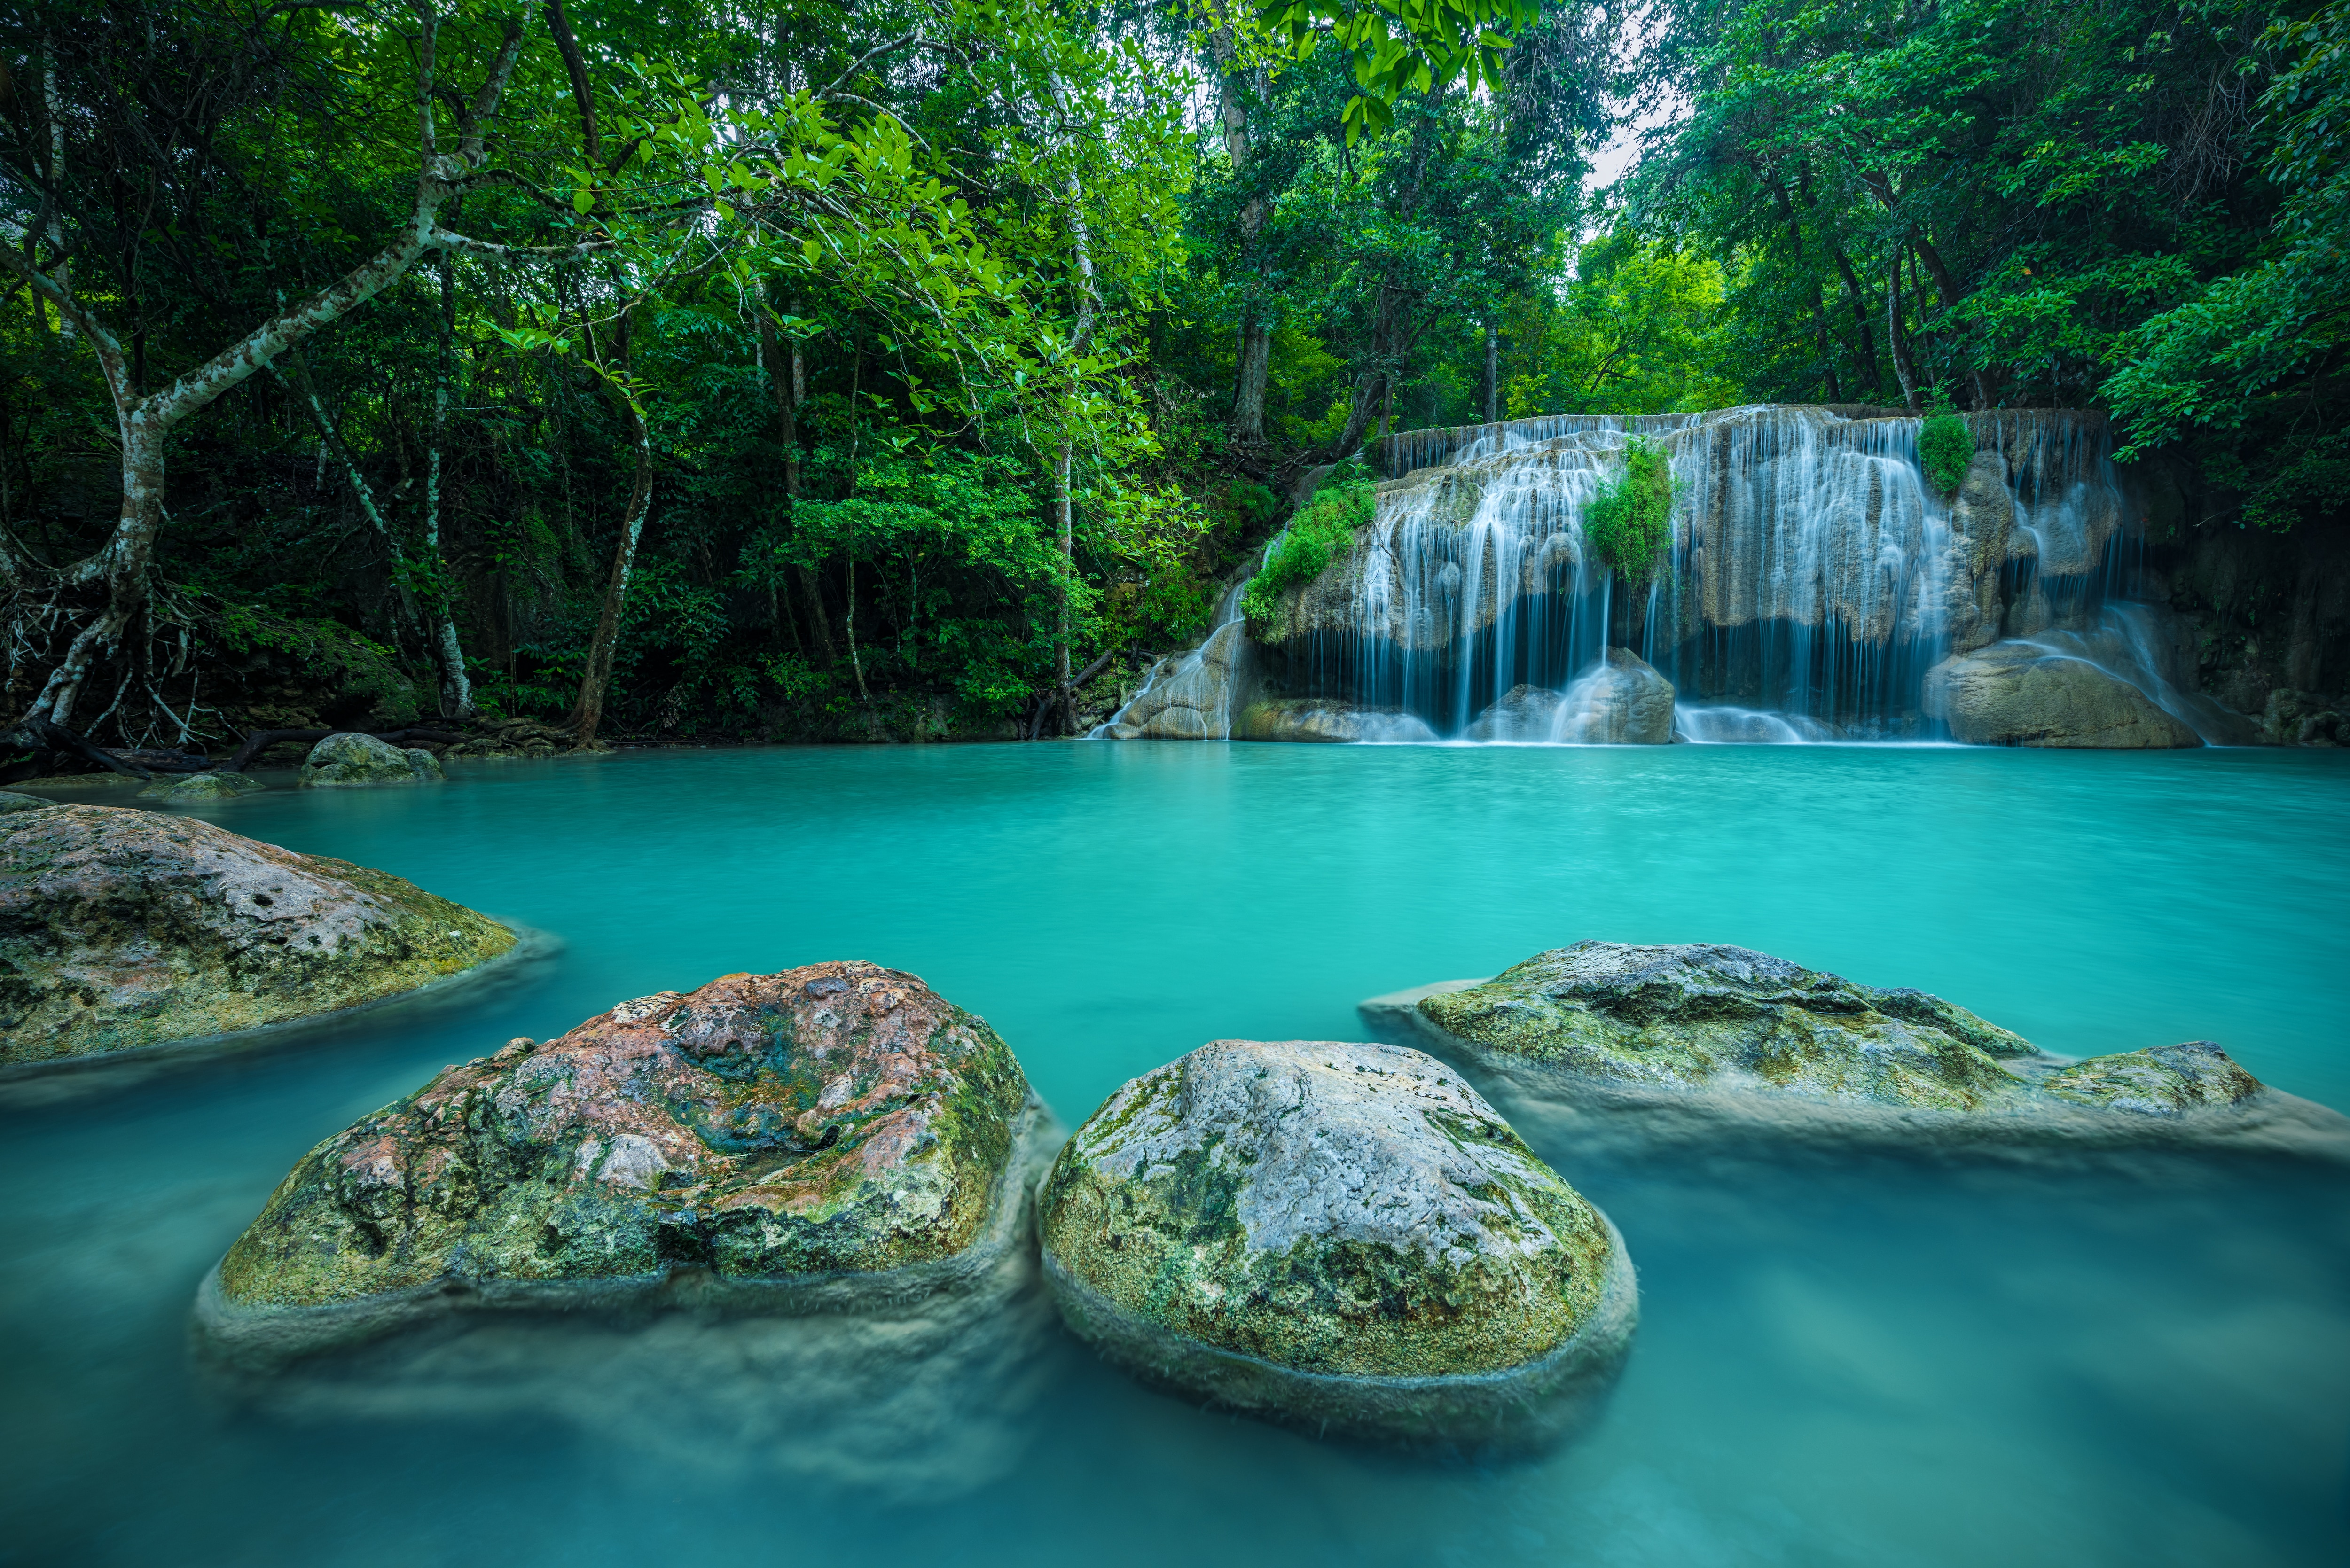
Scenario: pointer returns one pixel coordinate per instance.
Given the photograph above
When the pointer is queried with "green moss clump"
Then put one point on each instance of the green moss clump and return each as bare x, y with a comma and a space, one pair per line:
1946, 449
1326, 524
1630, 521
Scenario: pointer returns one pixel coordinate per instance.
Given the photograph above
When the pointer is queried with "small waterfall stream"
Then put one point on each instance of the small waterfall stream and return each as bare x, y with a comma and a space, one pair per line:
1811, 582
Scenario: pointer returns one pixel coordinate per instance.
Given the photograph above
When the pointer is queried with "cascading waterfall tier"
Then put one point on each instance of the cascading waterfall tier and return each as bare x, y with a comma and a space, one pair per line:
1813, 587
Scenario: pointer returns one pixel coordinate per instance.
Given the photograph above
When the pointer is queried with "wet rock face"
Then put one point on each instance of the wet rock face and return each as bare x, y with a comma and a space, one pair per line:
1195, 697
202, 786
348, 761
1721, 1016
2017, 694
1338, 1211
839, 1118
124, 929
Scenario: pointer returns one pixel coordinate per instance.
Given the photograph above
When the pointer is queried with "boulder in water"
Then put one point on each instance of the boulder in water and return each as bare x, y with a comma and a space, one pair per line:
11, 802
202, 786
1702, 1034
350, 760
1620, 701
1339, 1236
1316, 719
835, 1135
2017, 694
1193, 696
121, 930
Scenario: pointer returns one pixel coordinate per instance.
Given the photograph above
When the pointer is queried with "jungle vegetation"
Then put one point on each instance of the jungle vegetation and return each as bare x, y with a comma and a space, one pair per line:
922, 368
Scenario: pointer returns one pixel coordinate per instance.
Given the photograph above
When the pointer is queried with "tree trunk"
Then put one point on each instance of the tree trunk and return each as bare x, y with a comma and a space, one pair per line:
456, 690
1235, 87
1492, 373
1901, 366
588, 714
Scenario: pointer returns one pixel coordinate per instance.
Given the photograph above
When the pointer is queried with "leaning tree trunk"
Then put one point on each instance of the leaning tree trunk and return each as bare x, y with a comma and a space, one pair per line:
588, 714
1492, 373
456, 689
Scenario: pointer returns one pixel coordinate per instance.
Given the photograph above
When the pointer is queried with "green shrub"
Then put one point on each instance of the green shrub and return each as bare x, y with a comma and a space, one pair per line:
1323, 527
1945, 447
1630, 521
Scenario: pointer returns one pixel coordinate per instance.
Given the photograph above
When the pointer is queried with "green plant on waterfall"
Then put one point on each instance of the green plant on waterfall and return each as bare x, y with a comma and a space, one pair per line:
1323, 527
1630, 521
1946, 448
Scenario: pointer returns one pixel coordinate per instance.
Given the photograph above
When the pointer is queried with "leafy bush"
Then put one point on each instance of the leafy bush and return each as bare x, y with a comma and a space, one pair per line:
1946, 448
1630, 521
1326, 524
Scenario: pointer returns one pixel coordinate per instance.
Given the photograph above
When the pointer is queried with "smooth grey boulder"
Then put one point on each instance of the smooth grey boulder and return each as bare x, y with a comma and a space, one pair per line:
1702, 1034
202, 786
1343, 1237
1620, 701
350, 760
1194, 696
1320, 720
2017, 693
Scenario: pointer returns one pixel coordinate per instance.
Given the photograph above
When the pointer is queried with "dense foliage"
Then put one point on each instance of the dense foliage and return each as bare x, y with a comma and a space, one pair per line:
1324, 527
1945, 447
1630, 521
872, 372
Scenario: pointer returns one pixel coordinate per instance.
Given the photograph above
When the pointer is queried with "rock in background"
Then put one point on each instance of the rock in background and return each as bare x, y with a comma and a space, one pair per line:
352, 760
121, 930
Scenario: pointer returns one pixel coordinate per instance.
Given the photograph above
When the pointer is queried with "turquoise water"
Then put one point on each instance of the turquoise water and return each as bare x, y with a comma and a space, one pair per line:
1863, 1364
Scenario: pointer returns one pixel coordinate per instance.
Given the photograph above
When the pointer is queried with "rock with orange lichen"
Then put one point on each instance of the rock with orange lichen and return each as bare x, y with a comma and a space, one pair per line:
803, 1138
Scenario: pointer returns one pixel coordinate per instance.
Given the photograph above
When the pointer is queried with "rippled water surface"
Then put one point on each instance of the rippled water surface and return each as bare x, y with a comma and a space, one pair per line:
1863, 1364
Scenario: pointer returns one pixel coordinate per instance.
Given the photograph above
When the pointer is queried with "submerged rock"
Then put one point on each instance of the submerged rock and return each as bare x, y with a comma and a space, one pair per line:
2017, 693
122, 930
202, 786
1314, 718
349, 759
11, 802
1335, 1235
828, 1136
1726, 1032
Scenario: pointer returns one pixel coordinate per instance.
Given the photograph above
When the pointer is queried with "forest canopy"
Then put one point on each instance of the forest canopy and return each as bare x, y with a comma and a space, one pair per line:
924, 369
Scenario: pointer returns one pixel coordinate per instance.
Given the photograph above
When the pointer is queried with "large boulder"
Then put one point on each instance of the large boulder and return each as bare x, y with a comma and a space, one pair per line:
202, 786
1193, 696
121, 930
1345, 1236
1620, 701
837, 1135
11, 802
1701, 1034
350, 761
2019, 693
1320, 720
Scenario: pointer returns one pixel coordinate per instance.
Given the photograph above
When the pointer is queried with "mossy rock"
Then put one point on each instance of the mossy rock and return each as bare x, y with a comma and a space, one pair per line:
826, 1135
1345, 1236
353, 761
11, 802
124, 929
1699, 1035
202, 786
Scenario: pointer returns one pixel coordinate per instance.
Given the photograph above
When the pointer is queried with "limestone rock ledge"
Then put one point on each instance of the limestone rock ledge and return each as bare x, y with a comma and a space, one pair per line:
123, 930
1701, 1035
838, 1134
1341, 1237
2017, 694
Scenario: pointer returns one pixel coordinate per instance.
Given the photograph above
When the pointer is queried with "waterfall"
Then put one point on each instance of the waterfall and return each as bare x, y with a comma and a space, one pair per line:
1812, 580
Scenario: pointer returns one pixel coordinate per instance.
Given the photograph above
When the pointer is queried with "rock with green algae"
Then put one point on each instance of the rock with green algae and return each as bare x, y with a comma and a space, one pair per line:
1709, 1032
1341, 1237
202, 786
352, 760
838, 1134
123, 930
11, 802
